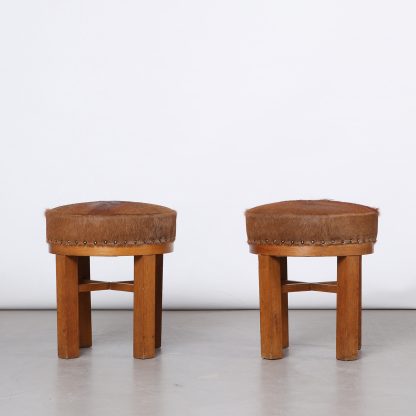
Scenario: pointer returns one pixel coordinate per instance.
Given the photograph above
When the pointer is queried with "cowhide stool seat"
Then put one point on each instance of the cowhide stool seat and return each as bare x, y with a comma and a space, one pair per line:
76, 232
308, 229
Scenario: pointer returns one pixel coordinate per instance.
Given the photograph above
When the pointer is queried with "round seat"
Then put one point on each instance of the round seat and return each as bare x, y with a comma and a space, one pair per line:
310, 229
109, 228
106, 226
300, 226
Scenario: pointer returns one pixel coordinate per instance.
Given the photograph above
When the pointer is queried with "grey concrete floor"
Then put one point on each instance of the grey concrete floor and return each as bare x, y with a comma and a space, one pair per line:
209, 365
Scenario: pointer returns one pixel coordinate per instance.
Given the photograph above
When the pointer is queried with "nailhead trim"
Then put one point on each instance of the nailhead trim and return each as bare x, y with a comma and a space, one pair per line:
313, 242
110, 243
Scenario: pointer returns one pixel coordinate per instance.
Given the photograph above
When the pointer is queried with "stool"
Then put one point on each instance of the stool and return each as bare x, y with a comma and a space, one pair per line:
76, 232
310, 229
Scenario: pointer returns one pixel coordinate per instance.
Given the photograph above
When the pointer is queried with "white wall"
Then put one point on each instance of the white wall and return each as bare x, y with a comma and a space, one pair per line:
209, 107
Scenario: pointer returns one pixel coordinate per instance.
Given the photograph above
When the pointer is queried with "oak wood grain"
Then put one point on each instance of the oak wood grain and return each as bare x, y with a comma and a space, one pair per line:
360, 305
285, 304
84, 305
158, 300
330, 287
271, 326
312, 251
123, 286
67, 306
144, 306
92, 285
140, 250
348, 278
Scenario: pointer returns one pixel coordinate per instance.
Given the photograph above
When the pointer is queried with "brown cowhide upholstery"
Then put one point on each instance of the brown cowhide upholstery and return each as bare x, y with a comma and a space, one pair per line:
311, 223
110, 223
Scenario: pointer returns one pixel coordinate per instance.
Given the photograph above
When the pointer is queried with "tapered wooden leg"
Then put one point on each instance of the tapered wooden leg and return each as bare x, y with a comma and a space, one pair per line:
271, 326
348, 289
67, 306
158, 300
285, 306
144, 306
84, 305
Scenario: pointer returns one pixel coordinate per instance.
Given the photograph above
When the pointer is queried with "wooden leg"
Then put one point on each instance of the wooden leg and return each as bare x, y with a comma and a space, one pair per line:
158, 300
348, 288
360, 305
84, 305
285, 307
271, 327
144, 306
67, 306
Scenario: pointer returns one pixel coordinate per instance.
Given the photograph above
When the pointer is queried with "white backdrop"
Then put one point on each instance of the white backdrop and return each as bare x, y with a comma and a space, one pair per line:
208, 107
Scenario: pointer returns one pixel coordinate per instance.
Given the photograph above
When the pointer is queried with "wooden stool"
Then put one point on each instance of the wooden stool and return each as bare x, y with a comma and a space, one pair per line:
76, 232
310, 229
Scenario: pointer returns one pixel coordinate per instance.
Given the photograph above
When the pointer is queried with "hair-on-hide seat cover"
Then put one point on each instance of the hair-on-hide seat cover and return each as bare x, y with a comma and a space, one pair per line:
311, 222
110, 223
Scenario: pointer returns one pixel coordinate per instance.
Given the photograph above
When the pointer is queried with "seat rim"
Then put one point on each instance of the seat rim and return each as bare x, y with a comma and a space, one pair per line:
330, 250
139, 250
